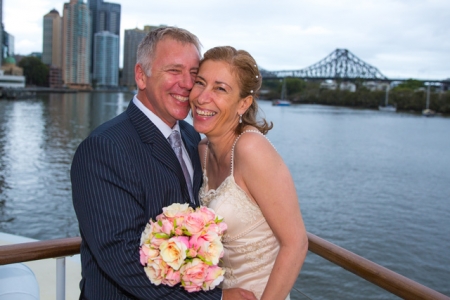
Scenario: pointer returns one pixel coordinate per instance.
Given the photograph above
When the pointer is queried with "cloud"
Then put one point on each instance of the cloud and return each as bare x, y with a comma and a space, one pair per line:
399, 37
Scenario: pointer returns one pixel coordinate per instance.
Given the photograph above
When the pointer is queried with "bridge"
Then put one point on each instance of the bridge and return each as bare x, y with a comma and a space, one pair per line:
341, 64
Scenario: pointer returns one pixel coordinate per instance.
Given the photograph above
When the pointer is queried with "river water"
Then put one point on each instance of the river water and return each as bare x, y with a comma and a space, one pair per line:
377, 184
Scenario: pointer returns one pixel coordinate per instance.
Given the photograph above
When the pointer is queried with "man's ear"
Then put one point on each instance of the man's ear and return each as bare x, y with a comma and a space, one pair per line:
140, 77
245, 104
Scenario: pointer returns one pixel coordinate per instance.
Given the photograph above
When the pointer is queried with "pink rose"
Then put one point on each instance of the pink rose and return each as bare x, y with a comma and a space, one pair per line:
191, 253
147, 253
222, 227
156, 270
193, 275
155, 227
194, 223
213, 277
172, 277
173, 251
156, 243
167, 226
207, 214
178, 231
196, 241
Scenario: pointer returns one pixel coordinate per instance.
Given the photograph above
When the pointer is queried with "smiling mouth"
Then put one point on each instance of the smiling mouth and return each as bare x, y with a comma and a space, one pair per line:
180, 98
204, 113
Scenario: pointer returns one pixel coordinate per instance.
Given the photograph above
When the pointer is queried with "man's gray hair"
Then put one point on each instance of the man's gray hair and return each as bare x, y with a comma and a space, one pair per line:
147, 48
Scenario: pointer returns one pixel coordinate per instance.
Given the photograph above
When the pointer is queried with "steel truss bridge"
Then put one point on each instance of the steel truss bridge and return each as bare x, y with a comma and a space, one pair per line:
342, 65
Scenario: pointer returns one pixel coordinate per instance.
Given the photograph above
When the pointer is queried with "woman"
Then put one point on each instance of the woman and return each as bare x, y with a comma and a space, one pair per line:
245, 179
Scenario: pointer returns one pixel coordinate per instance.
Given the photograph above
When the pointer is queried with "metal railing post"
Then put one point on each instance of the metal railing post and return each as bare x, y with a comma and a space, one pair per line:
61, 278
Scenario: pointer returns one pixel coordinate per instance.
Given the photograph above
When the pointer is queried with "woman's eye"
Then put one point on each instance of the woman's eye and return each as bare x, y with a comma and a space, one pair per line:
198, 82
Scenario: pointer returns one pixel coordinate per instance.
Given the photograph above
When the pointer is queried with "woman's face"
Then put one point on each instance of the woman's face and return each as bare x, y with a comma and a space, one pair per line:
215, 100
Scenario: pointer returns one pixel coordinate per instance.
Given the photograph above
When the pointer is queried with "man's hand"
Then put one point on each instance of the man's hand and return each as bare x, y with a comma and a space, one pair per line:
237, 293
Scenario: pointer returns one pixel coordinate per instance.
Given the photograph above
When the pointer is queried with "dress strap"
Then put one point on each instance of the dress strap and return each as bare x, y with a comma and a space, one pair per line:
204, 159
234, 145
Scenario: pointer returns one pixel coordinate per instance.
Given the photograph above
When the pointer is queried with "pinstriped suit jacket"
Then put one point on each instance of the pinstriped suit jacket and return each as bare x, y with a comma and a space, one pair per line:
122, 175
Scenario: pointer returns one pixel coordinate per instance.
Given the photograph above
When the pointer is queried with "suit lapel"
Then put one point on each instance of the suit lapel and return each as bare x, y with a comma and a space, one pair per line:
161, 149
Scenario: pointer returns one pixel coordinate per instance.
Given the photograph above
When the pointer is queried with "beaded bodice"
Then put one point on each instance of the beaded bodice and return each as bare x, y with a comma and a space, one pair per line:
249, 244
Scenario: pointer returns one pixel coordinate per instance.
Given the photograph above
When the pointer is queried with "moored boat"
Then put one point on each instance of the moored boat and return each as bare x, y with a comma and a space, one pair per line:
281, 102
387, 107
428, 112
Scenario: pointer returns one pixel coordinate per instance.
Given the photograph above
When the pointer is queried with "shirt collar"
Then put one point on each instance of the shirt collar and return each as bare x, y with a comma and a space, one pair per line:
163, 127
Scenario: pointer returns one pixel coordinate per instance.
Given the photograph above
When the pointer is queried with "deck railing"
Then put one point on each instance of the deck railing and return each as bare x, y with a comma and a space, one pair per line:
370, 271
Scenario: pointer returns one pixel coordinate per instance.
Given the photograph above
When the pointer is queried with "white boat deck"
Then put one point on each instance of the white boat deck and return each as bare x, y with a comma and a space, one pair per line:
45, 271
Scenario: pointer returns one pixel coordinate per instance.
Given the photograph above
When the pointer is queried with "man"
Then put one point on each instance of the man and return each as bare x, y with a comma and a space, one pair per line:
126, 171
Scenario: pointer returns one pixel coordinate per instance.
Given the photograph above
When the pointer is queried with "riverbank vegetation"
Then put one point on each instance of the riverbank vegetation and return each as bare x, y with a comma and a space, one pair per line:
408, 96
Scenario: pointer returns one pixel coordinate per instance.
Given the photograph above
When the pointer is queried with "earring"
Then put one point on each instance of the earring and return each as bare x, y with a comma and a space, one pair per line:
240, 119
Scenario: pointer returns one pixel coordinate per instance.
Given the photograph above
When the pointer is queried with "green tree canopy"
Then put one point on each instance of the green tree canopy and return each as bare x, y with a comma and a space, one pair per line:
410, 84
35, 71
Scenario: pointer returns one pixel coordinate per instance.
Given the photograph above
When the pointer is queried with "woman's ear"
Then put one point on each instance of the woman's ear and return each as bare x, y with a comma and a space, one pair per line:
245, 104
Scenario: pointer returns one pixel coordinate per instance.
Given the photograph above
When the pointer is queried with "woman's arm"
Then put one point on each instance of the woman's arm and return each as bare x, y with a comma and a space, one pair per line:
261, 172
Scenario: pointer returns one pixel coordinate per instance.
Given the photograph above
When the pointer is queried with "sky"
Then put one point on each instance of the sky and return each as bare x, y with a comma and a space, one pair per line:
402, 38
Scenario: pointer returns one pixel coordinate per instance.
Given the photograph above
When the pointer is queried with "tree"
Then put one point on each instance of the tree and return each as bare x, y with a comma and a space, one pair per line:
35, 71
410, 84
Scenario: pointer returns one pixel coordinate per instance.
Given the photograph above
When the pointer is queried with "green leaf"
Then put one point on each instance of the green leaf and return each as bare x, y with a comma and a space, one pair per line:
162, 236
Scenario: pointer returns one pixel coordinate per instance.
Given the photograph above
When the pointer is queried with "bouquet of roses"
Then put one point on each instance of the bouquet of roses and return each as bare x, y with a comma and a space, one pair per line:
184, 245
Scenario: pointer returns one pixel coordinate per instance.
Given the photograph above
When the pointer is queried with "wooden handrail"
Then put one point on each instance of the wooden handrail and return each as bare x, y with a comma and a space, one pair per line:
364, 268
372, 272
39, 250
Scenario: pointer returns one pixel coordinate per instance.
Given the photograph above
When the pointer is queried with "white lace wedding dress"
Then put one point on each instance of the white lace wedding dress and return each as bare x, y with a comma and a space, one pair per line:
250, 245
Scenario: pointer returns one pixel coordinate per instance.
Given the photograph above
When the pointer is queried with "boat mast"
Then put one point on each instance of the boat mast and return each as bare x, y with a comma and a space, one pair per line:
283, 89
387, 96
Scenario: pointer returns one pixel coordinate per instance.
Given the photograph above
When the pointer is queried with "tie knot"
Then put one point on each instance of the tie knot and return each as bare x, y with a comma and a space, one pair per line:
175, 139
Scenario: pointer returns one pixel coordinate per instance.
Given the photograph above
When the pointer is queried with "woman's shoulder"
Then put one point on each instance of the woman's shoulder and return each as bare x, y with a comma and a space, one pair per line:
251, 142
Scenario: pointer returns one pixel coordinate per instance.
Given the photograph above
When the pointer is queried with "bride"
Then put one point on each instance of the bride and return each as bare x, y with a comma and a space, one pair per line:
244, 178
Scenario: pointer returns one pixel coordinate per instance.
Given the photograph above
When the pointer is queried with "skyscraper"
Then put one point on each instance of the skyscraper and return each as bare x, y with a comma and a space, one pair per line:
52, 42
132, 39
105, 17
106, 55
76, 44
1, 25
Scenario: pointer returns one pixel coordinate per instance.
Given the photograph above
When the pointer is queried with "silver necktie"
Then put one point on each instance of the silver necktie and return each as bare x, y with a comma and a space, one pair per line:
175, 142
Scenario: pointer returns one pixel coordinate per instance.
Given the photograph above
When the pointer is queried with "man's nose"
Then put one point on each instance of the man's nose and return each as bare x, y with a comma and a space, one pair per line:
186, 80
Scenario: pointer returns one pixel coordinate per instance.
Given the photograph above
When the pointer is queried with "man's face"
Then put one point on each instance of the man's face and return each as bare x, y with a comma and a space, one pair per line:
166, 91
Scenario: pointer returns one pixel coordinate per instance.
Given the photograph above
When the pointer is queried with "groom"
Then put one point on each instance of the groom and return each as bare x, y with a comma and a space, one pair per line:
126, 171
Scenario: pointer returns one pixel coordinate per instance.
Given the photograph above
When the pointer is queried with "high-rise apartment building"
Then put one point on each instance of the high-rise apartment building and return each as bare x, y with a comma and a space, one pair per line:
105, 17
76, 47
106, 56
132, 39
1, 25
7, 45
52, 41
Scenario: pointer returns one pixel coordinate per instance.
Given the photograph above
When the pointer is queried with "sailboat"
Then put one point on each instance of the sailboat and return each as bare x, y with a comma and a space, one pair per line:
427, 112
283, 101
387, 107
